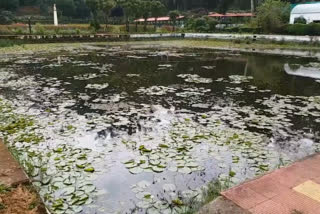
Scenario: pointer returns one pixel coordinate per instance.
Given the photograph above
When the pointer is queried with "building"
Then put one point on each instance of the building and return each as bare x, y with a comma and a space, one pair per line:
161, 20
310, 12
240, 15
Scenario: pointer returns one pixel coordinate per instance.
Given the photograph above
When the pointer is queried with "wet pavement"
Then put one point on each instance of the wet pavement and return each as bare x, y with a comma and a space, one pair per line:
292, 189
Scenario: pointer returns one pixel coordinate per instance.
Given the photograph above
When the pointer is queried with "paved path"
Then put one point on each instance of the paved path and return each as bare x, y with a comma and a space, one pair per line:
11, 174
290, 190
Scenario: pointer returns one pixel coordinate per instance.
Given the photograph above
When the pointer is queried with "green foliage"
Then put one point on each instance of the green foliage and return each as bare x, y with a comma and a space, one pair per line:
95, 24
67, 7
210, 193
106, 7
39, 29
272, 15
300, 20
173, 17
94, 6
4, 189
6, 17
203, 24
312, 29
224, 6
158, 9
9, 4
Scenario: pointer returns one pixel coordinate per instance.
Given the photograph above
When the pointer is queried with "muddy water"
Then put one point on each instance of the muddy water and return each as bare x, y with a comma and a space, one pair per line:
129, 130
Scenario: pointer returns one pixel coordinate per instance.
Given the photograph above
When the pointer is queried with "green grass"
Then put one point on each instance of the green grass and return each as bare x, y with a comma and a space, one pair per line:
209, 194
9, 43
4, 189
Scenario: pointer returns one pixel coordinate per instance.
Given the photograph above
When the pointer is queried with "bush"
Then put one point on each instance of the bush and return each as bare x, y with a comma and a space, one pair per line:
6, 17
272, 15
247, 29
39, 29
9, 43
202, 25
95, 24
312, 29
300, 20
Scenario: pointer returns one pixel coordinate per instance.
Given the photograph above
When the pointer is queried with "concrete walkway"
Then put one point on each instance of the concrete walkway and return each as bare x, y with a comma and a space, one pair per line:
127, 37
291, 190
11, 174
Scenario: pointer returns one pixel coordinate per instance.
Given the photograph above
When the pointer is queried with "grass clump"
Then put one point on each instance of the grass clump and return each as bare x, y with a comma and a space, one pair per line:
4, 189
9, 43
209, 193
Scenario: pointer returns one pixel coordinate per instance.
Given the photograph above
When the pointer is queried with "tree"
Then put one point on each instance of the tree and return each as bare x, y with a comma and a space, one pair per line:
6, 17
106, 6
224, 6
157, 9
66, 6
252, 6
137, 11
173, 17
272, 15
94, 8
129, 8
146, 11
9, 4
82, 10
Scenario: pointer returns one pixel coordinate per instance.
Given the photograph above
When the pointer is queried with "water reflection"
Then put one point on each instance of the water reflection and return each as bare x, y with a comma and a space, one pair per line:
303, 71
240, 113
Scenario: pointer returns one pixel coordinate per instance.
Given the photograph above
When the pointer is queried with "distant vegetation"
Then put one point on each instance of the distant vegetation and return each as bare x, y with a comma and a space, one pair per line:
117, 16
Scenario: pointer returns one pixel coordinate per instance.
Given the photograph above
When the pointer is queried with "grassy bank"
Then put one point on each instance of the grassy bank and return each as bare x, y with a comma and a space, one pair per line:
22, 199
246, 45
79, 29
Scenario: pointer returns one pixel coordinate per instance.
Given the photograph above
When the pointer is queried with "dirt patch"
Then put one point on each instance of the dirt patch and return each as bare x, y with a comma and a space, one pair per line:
20, 200
11, 173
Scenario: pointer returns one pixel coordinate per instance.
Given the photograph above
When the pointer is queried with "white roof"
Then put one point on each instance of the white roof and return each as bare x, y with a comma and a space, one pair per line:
306, 8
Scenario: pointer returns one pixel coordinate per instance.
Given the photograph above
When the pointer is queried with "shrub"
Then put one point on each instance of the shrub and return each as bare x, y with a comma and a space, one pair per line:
248, 29
312, 29
272, 15
39, 29
8, 43
212, 23
95, 24
200, 25
300, 20
203, 24
6, 17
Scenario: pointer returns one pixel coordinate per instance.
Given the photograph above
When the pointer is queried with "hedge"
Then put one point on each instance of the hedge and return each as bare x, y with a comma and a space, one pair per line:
312, 29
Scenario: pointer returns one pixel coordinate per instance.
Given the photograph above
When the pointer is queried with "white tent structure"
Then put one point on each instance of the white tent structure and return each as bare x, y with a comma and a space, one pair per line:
310, 12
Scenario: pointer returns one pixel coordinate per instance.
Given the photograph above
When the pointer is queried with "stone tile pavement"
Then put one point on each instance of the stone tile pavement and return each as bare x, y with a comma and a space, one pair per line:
290, 190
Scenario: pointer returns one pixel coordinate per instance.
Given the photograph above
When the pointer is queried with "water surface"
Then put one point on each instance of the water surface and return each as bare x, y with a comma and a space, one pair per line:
135, 130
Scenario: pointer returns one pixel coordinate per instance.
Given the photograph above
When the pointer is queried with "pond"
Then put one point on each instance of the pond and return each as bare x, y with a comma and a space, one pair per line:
121, 129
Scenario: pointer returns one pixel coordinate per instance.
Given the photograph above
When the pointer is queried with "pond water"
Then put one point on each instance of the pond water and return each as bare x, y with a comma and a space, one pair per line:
120, 129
